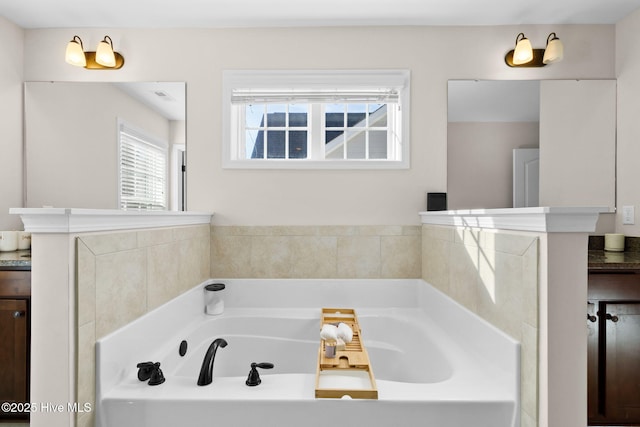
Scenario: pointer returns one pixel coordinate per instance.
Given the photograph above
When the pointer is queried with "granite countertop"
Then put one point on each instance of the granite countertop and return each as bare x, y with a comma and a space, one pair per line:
599, 259
604, 260
16, 260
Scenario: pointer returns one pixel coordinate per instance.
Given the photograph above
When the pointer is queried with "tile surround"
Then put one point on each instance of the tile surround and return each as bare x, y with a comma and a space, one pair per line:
121, 276
316, 252
495, 275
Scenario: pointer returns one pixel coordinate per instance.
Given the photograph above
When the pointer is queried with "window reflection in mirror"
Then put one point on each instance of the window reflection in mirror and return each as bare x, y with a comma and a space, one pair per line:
71, 139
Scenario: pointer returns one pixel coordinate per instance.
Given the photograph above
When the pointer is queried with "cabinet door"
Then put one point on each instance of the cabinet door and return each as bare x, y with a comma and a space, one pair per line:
13, 350
592, 361
622, 362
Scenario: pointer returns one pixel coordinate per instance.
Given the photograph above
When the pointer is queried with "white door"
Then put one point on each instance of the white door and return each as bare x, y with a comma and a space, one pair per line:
526, 177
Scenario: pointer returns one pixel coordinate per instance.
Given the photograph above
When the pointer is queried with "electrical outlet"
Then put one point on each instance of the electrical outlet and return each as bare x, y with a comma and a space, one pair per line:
628, 215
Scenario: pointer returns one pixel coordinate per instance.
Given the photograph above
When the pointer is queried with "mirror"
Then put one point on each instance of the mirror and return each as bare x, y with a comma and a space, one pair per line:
487, 120
571, 123
72, 132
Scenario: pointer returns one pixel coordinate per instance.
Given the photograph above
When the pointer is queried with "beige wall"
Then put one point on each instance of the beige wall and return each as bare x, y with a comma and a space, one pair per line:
241, 197
480, 162
120, 277
495, 275
11, 74
76, 126
628, 126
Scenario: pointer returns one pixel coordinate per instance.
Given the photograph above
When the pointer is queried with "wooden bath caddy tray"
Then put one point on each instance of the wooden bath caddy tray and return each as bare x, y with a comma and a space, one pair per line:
349, 372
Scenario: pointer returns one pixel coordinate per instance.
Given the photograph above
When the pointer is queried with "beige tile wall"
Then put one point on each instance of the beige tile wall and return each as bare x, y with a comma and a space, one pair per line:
495, 275
121, 276
316, 252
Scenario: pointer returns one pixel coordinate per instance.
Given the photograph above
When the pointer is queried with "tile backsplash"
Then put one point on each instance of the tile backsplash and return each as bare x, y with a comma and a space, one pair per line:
310, 252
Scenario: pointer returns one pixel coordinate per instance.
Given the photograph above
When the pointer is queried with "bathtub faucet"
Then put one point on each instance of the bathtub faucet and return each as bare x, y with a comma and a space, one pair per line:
206, 372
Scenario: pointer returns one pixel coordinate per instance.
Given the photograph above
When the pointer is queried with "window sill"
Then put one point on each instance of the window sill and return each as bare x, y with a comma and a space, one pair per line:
315, 164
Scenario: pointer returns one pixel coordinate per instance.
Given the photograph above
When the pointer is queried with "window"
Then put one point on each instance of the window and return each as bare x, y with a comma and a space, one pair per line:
275, 131
142, 170
316, 119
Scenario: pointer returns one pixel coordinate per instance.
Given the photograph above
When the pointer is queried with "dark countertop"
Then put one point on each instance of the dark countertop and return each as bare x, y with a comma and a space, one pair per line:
604, 260
16, 260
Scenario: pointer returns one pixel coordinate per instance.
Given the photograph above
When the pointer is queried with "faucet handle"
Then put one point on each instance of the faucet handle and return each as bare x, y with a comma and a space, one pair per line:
263, 365
150, 371
157, 377
145, 370
254, 377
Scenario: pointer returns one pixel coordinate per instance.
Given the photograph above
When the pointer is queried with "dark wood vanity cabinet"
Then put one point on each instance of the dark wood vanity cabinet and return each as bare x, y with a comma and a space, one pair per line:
613, 319
15, 291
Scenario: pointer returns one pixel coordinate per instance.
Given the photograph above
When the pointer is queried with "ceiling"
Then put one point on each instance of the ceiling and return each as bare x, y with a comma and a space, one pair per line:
167, 98
288, 13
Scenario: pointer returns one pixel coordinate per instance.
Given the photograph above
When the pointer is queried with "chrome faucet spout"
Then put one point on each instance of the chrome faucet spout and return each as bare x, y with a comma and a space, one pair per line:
206, 371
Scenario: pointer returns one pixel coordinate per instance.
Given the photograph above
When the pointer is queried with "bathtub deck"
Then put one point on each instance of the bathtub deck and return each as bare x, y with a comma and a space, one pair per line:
287, 400
487, 387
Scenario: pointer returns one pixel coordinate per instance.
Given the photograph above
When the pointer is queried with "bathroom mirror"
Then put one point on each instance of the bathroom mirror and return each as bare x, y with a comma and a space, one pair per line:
72, 132
571, 123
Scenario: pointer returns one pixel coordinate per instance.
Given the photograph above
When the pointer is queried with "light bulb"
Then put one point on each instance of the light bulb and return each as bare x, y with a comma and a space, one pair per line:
523, 52
104, 53
554, 51
75, 53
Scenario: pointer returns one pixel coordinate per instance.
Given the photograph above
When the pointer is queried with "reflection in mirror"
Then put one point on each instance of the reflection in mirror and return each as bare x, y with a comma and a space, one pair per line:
73, 135
572, 123
487, 120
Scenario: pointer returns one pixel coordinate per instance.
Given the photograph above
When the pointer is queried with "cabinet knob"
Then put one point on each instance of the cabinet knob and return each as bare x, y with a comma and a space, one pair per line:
17, 314
612, 317
591, 318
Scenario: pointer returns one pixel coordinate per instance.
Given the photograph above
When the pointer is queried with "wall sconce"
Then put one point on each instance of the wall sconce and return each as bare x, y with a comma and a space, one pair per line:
104, 58
525, 56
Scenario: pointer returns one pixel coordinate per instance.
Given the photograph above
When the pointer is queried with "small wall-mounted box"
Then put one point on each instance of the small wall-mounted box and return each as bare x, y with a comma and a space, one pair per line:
436, 201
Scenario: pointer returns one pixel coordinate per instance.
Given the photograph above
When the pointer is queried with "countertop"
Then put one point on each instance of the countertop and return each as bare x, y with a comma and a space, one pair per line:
604, 260
16, 260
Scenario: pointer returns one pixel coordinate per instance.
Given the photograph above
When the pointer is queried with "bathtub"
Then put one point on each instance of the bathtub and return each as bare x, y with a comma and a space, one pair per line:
435, 363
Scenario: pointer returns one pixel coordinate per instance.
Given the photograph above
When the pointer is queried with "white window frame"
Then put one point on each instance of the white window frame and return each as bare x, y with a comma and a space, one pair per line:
148, 139
177, 177
322, 81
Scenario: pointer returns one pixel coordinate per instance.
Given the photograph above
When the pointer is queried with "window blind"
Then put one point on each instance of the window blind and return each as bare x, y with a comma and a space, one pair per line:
143, 172
314, 86
285, 96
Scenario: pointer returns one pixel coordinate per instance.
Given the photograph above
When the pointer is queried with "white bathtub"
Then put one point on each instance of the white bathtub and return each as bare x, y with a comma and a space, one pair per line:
435, 363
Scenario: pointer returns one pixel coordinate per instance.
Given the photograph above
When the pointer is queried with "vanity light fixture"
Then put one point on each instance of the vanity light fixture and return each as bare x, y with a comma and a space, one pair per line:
523, 55
104, 58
